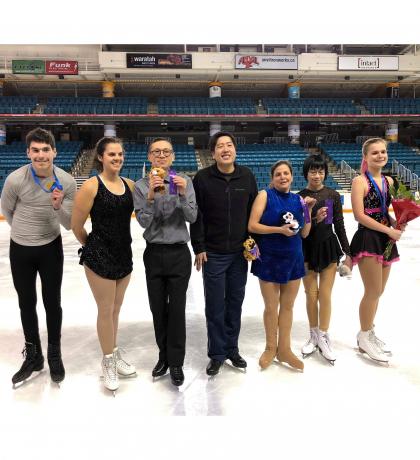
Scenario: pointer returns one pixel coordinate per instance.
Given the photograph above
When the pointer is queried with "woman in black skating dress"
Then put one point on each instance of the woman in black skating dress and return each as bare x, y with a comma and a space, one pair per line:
325, 245
370, 199
106, 253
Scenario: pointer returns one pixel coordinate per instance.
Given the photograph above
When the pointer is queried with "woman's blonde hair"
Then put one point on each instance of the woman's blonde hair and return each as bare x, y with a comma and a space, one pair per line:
365, 146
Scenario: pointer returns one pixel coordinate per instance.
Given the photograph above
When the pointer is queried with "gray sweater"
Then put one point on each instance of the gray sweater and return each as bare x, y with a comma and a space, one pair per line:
29, 211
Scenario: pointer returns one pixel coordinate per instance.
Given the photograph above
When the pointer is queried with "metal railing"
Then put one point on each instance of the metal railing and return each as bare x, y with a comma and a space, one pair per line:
393, 110
93, 110
314, 111
347, 171
18, 109
406, 175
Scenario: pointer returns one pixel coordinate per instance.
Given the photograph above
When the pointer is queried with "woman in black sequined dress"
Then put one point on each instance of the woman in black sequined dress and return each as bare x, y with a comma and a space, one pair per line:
106, 253
370, 200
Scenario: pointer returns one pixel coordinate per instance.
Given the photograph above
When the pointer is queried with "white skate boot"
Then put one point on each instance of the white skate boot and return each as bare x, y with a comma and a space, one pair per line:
109, 369
312, 344
124, 369
381, 344
324, 346
366, 341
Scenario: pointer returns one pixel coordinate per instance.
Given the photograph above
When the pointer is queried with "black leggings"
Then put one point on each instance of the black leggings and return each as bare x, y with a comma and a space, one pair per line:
26, 262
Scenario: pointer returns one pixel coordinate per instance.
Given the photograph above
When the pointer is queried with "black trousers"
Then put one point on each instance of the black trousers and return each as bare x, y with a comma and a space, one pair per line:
25, 263
168, 270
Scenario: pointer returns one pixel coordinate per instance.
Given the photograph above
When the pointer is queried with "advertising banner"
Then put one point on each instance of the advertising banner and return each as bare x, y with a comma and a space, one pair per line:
28, 66
368, 63
159, 61
61, 67
265, 61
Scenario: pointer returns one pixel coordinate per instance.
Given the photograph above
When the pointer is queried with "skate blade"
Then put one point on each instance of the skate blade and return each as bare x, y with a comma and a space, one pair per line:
56, 383
385, 361
241, 370
27, 381
306, 355
330, 361
129, 376
114, 392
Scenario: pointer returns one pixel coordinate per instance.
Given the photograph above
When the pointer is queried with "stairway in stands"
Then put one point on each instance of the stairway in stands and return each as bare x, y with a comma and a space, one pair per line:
83, 167
204, 157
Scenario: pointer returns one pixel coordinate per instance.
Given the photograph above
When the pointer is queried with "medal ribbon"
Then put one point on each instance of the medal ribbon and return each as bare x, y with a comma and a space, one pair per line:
305, 210
54, 185
381, 195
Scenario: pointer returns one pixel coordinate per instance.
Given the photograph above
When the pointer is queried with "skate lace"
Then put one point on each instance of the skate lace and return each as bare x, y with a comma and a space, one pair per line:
120, 359
379, 342
374, 341
110, 368
314, 338
28, 354
326, 340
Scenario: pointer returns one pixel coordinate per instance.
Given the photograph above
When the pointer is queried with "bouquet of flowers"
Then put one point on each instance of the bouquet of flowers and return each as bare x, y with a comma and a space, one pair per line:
406, 208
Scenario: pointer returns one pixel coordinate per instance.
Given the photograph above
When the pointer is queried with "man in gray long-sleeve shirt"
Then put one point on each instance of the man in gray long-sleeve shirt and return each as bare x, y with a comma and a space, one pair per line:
35, 200
167, 259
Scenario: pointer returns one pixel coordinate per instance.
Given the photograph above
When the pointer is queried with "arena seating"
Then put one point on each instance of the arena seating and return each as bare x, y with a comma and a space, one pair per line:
206, 105
13, 156
379, 106
96, 105
260, 157
351, 153
17, 104
309, 106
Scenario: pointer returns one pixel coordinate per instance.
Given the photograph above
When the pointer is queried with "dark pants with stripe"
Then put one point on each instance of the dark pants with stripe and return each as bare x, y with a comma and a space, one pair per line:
168, 270
26, 262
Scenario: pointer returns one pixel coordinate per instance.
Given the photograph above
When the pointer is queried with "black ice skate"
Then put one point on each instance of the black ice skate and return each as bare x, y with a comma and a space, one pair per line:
57, 371
34, 361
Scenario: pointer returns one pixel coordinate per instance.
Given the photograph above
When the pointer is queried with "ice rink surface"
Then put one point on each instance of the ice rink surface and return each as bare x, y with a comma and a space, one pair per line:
355, 409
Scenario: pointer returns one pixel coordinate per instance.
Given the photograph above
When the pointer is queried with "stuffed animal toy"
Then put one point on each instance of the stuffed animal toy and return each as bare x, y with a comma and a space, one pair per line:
251, 251
156, 171
290, 219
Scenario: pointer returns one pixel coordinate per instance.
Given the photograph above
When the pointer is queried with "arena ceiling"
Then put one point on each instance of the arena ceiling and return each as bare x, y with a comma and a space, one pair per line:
155, 83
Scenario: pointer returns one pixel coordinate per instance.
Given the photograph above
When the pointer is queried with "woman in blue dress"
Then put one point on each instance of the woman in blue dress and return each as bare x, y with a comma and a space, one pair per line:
278, 216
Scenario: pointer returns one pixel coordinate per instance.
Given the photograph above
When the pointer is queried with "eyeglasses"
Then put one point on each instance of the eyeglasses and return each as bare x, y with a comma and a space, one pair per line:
158, 152
315, 172
43, 149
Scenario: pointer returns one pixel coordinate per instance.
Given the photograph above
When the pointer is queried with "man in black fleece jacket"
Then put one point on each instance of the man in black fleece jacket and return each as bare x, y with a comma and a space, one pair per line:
225, 193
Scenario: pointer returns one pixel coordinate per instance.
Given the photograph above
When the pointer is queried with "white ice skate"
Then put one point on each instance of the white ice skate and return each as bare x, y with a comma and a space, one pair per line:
110, 375
324, 347
366, 342
312, 344
124, 369
381, 344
